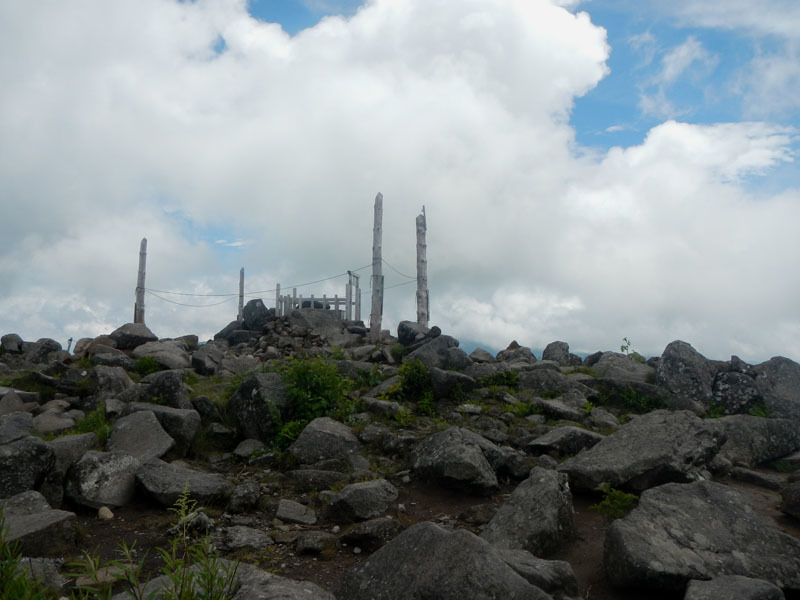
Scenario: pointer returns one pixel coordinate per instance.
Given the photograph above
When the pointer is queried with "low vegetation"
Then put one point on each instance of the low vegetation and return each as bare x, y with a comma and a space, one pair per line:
615, 503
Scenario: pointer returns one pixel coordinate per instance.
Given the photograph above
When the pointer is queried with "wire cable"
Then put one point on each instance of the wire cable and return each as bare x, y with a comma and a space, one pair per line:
189, 293
395, 270
189, 305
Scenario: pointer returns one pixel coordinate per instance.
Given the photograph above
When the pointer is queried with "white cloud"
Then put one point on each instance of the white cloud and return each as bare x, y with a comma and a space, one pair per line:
119, 121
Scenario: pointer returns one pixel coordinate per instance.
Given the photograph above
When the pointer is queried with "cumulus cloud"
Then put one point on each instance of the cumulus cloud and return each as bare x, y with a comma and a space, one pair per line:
129, 119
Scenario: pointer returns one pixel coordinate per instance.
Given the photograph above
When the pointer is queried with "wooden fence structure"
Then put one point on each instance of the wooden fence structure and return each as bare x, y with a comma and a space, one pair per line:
348, 308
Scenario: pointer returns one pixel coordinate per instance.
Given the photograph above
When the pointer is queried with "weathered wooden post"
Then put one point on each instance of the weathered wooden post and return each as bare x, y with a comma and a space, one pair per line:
240, 314
138, 307
278, 301
377, 274
357, 293
423, 303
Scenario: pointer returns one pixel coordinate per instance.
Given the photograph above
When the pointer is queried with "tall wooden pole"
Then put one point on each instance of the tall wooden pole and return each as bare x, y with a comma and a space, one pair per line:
423, 303
240, 315
377, 272
138, 308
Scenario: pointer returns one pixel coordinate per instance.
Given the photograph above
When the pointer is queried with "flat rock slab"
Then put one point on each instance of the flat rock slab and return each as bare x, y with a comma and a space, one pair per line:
294, 512
732, 587
166, 482
37, 528
140, 435
701, 530
361, 501
655, 448
426, 561
565, 440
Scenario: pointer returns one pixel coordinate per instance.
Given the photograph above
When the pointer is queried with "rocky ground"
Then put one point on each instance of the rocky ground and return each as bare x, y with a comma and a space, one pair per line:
405, 469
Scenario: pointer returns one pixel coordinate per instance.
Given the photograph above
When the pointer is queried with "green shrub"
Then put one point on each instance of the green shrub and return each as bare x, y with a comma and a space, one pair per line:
759, 410
315, 388
521, 409
501, 378
715, 411
288, 433
427, 405
639, 403
146, 365
415, 380
615, 504
784, 466
95, 422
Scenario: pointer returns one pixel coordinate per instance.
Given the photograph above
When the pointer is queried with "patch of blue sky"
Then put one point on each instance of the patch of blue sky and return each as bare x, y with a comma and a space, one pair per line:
639, 93
296, 15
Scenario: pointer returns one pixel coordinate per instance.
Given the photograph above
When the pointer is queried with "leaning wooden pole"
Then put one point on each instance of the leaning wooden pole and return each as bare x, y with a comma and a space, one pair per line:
138, 307
377, 273
240, 314
423, 303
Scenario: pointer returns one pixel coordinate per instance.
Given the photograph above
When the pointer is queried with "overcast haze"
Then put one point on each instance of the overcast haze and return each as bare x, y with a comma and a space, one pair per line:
590, 170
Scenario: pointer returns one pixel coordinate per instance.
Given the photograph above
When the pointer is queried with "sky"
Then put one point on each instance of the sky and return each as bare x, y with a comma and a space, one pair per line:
590, 170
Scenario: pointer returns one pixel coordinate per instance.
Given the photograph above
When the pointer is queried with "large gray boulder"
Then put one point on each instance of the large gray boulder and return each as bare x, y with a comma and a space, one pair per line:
15, 426
322, 439
699, 530
652, 449
253, 583
623, 367
164, 387
685, 372
132, 335
111, 381
778, 380
102, 479
361, 501
257, 405
140, 435
24, 463
35, 526
559, 353
446, 383
754, 440
40, 351
207, 359
562, 441
455, 458
537, 517
730, 587
516, 356
555, 577
171, 354
255, 314
735, 393
166, 482
426, 561
11, 343
181, 424
441, 352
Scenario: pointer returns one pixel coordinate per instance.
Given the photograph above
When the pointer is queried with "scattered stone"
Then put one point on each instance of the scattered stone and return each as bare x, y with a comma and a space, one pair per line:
104, 513
102, 478
140, 435
290, 511
361, 501
564, 441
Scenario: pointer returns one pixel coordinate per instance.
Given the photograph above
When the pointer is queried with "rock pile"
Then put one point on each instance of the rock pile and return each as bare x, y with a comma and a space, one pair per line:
516, 438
